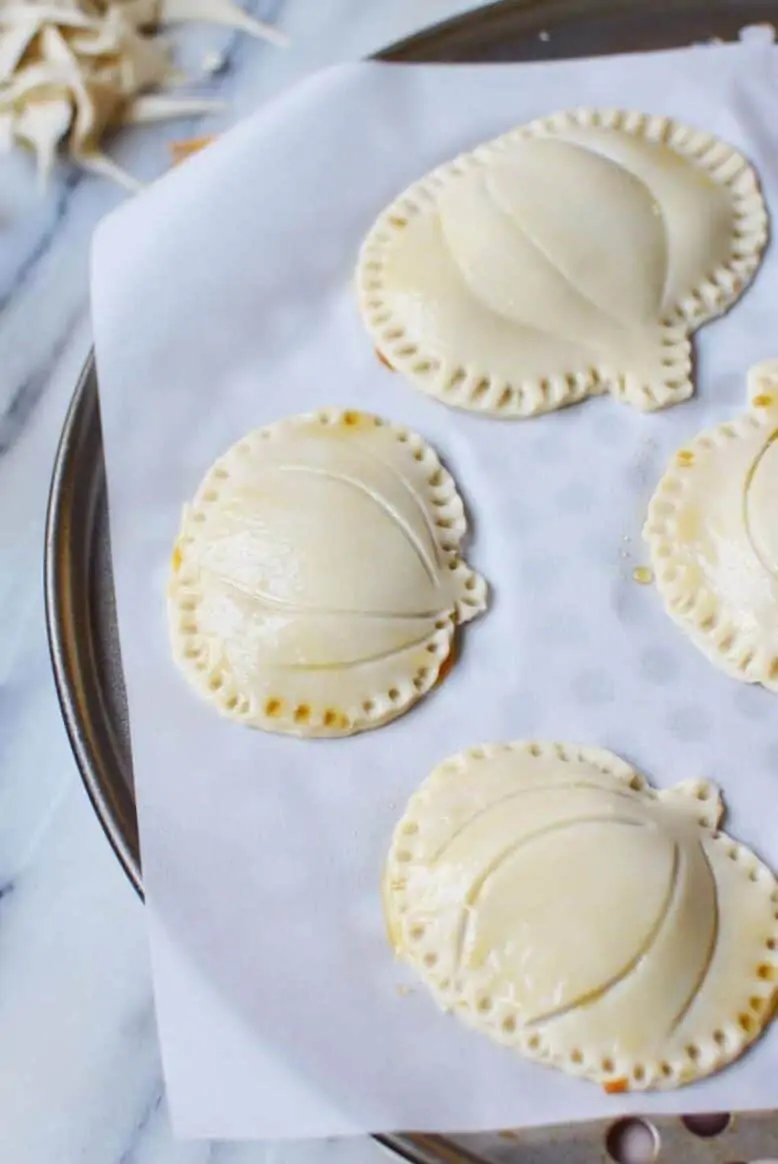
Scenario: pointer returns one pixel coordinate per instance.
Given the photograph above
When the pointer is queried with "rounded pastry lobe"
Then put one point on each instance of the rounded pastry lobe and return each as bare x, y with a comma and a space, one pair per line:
713, 539
316, 581
554, 901
505, 281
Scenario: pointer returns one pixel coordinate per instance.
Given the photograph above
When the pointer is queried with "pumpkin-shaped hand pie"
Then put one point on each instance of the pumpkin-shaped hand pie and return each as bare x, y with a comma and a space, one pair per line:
557, 903
316, 581
713, 536
571, 256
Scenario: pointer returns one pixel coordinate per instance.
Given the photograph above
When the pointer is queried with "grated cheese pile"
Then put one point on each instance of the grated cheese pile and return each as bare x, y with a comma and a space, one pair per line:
72, 69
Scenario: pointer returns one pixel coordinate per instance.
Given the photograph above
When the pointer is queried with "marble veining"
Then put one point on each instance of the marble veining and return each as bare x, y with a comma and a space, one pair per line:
82, 1080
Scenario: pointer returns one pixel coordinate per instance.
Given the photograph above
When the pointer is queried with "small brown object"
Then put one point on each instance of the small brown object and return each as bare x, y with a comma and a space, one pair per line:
384, 360
181, 150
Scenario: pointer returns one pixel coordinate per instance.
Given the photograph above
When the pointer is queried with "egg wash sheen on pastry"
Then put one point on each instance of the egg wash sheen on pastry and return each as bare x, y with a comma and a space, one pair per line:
316, 581
572, 256
550, 898
712, 530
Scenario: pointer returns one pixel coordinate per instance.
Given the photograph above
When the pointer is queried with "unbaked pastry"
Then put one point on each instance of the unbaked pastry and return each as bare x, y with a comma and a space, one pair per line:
570, 257
316, 581
554, 901
712, 531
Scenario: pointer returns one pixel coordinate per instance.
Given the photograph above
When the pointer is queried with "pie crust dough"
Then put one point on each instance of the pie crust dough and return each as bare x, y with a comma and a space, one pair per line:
316, 581
712, 530
570, 257
558, 904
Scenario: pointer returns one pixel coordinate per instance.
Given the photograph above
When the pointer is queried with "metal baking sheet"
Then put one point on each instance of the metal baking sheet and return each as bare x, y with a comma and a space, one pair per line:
79, 593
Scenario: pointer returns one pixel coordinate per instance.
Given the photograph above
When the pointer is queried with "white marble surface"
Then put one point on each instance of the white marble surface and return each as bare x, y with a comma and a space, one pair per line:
81, 1081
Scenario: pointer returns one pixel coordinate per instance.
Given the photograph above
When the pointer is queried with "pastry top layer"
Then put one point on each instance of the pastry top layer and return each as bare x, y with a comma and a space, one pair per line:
559, 904
570, 256
712, 533
317, 580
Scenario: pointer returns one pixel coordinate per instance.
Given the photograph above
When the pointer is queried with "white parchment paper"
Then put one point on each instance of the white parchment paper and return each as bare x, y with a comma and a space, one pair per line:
222, 300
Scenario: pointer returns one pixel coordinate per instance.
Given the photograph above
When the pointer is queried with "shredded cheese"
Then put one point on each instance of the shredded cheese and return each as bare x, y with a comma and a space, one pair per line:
71, 70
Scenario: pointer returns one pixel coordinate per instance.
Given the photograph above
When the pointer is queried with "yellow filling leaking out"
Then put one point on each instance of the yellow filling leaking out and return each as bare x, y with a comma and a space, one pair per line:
176, 558
353, 419
685, 458
382, 359
643, 575
616, 1086
763, 400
